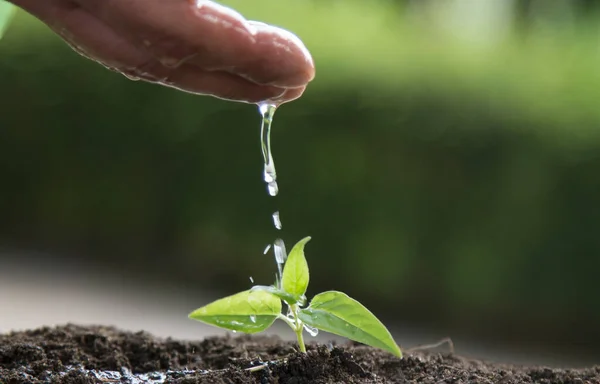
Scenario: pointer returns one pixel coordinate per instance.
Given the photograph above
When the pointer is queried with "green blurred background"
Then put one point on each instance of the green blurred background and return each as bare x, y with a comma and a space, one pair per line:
445, 162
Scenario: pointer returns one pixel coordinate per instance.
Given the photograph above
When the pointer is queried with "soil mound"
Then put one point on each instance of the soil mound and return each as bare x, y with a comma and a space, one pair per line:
74, 354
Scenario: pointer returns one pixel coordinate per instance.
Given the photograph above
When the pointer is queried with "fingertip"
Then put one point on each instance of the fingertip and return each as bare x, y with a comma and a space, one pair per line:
302, 68
298, 76
282, 59
288, 95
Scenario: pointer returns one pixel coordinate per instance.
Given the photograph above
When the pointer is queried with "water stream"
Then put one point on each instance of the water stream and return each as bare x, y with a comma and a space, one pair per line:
267, 112
270, 178
269, 174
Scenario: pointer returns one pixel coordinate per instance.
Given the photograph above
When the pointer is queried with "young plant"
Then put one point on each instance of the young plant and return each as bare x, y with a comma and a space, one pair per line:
256, 309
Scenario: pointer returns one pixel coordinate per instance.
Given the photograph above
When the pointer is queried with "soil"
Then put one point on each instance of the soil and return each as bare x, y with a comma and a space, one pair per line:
74, 354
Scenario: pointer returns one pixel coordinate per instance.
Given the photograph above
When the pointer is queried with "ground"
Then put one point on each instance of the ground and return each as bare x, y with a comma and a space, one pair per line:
76, 354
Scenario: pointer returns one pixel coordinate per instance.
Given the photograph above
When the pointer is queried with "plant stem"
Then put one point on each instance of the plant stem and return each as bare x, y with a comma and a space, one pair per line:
300, 339
299, 329
296, 325
286, 320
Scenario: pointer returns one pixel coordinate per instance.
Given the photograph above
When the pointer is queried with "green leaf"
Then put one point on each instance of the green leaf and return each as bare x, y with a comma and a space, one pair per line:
247, 311
337, 313
7, 11
295, 272
288, 298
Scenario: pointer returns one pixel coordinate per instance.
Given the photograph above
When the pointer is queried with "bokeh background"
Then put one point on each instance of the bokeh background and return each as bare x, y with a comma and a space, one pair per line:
445, 161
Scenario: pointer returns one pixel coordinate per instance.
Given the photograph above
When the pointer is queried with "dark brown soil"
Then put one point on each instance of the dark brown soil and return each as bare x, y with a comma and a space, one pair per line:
73, 354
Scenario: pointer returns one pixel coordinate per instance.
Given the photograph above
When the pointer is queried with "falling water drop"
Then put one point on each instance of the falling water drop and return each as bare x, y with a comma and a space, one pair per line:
277, 220
280, 252
280, 258
273, 188
253, 318
267, 248
251, 279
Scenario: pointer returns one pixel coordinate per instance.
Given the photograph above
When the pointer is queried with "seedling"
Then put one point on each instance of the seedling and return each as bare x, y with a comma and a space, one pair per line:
256, 309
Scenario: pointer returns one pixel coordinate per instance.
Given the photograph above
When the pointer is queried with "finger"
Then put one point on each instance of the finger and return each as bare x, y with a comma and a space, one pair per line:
87, 35
276, 48
210, 36
290, 94
92, 38
223, 85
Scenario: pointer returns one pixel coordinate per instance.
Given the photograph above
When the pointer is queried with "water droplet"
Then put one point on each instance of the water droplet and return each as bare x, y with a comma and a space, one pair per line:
267, 248
269, 174
277, 220
234, 331
311, 330
263, 108
251, 280
273, 188
280, 252
280, 258
253, 318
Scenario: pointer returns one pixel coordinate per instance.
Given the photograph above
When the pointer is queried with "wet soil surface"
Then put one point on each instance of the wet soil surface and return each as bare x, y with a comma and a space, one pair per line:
74, 354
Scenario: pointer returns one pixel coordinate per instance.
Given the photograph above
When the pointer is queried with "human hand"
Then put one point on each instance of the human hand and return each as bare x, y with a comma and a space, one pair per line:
196, 46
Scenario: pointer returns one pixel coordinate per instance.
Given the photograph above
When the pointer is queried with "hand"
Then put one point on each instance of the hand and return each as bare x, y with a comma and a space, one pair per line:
196, 46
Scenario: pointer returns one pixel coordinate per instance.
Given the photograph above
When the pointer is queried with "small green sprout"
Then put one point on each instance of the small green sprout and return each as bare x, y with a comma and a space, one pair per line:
256, 309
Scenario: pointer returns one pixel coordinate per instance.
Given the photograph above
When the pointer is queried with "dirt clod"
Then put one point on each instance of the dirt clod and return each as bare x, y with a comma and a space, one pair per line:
80, 355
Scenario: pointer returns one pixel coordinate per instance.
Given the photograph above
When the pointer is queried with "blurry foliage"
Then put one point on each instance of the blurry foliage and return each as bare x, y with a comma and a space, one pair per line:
460, 178
6, 13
